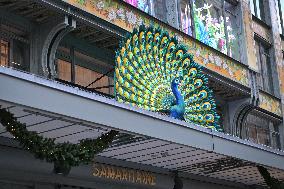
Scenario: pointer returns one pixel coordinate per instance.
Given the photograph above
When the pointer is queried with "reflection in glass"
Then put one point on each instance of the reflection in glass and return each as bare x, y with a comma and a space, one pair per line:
143, 5
209, 24
185, 17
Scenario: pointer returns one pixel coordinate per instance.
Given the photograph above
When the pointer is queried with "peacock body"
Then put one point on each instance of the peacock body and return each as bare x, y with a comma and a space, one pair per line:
156, 73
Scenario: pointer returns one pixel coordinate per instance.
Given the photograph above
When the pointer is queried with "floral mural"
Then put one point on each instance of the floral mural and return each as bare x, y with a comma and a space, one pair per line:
270, 104
128, 18
211, 30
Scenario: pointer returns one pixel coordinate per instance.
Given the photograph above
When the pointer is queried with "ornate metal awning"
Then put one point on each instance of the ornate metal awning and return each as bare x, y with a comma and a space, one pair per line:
148, 139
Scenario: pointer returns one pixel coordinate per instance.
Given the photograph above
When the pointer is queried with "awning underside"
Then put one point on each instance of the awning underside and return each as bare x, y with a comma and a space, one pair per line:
141, 150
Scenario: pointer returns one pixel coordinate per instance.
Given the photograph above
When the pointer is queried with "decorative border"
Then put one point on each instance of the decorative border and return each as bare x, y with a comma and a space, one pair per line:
270, 104
129, 18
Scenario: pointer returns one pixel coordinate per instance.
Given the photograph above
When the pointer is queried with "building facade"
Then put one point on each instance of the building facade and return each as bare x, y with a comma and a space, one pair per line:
57, 76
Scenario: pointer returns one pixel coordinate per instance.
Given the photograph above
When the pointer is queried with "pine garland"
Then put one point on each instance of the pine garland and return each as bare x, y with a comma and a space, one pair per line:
66, 153
272, 183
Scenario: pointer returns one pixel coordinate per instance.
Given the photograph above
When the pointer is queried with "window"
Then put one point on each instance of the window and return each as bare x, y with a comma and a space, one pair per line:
209, 24
261, 129
281, 16
263, 60
213, 22
14, 47
4, 52
86, 70
185, 17
64, 70
258, 9
216, 25
233, 30
160, 10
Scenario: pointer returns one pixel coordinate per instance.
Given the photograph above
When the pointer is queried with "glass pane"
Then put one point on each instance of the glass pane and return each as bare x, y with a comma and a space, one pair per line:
209, 24
64, 70
185, 17
88, 69
260, 129
160, 10
252, 133
85, 76
111, 82
251, 3
259, 5
281, 14
20, 59
263, 136
282, 9
4, 46
143, 5
232, 31
269, 74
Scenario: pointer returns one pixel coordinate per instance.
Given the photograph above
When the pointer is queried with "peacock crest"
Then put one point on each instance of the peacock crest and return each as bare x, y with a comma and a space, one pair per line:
154, 72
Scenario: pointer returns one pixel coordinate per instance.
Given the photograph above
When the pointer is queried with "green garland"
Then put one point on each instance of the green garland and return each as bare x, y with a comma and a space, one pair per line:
272, 183
66, 153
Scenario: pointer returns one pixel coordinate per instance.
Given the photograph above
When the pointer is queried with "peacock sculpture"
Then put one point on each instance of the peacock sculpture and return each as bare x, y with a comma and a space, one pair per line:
156, 73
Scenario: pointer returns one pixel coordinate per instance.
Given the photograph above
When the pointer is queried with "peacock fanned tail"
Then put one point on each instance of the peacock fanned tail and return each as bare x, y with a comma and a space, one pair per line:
146, 63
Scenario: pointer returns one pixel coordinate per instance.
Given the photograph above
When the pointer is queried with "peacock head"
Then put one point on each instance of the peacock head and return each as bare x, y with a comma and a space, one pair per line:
176, 82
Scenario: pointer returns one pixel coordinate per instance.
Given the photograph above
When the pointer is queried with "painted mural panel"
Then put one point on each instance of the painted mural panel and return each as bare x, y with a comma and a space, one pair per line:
128, 18
270, 103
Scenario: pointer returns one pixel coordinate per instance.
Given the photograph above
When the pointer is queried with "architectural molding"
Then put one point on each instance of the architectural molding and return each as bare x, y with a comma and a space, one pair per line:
52, 40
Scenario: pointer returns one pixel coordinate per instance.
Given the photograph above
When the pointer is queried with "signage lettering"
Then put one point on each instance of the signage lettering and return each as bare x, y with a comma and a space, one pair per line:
123, 174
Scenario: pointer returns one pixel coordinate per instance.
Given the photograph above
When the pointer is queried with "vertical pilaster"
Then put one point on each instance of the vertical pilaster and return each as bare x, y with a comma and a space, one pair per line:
249, 53
278, 69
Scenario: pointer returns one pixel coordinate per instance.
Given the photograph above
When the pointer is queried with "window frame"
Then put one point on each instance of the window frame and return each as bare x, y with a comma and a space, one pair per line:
265, 50
272, 135
71, 58
263, 20
19, 44
281, 21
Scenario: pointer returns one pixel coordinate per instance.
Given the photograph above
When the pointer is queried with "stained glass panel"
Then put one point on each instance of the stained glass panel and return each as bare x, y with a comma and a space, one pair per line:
209, 24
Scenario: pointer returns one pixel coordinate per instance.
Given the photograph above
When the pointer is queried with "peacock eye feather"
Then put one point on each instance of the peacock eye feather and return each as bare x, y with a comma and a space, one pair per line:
191, 88
202, 94
192, 72
209, 118
198, 83
186, 63
206, 106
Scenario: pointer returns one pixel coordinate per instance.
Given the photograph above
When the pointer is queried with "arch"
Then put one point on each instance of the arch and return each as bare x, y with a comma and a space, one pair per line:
238, 111
51, 42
